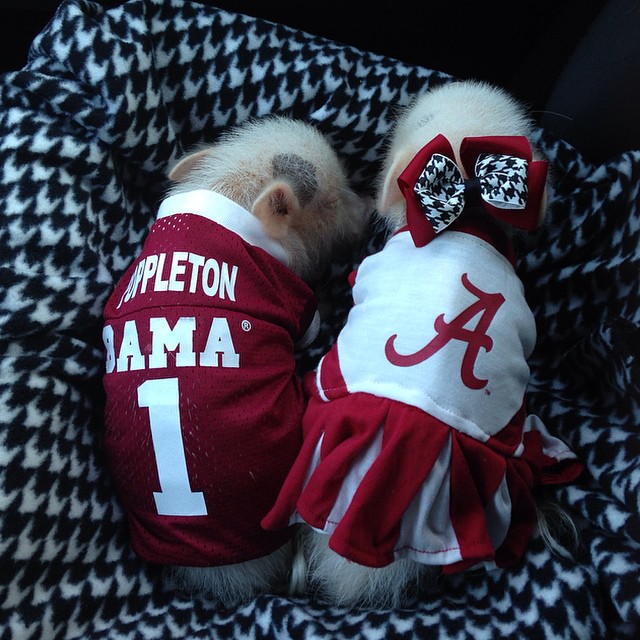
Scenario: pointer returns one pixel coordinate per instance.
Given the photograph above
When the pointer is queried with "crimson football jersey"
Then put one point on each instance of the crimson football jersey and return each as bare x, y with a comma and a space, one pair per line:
203, 406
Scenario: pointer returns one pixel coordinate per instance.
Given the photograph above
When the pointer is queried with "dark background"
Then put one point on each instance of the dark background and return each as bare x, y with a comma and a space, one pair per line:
563, 58
478, 40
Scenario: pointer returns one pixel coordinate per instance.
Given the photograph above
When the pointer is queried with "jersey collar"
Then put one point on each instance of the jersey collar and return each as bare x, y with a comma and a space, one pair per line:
218, 208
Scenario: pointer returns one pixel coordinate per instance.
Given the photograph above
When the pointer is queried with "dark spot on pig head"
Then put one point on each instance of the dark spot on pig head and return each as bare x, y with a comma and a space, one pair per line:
300, 173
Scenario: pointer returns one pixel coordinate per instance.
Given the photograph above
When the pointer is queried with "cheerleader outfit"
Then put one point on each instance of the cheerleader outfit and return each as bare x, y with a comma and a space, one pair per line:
416, 440
200, 432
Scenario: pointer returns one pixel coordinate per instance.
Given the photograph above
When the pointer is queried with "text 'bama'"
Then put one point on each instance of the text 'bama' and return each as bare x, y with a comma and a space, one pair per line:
123, 352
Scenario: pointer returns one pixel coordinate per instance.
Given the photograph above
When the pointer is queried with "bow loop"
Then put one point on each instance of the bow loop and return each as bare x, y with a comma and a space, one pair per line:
440, 189
503, 179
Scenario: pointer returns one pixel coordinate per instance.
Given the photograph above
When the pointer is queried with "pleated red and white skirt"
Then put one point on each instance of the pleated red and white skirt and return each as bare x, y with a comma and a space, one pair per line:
386, 481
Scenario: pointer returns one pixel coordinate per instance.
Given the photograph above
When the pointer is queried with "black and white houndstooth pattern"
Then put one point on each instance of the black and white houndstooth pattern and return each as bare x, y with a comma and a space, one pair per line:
107, 101
443, 192
503, 180
440, 189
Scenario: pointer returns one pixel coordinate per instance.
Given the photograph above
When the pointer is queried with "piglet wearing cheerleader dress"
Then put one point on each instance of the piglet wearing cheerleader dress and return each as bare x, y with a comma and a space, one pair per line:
417, 443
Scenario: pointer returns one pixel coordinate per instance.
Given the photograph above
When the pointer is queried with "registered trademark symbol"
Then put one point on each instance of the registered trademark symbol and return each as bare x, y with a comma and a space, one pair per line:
246, 325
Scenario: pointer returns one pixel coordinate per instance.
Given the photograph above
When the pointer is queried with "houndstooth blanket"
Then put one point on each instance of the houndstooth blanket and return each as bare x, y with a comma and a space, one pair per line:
108, 99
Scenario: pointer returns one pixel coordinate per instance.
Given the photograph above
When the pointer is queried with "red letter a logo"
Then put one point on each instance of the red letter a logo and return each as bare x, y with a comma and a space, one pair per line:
476, 339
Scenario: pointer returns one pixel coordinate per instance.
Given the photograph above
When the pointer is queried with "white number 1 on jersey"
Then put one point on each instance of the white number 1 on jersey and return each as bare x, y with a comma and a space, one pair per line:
161, 397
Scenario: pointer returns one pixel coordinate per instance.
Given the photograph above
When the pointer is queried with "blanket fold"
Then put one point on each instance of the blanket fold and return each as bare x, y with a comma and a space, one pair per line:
108, 100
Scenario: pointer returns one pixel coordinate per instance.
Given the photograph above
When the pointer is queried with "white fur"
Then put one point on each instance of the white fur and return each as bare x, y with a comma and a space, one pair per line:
344, 583
240, 166
455, 110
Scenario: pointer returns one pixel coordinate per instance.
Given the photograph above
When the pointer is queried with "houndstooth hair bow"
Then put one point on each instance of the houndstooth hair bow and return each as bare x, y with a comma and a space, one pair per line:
503, 179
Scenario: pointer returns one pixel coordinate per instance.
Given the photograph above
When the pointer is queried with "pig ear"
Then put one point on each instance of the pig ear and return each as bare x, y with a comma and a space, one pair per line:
390, 194
276, 207
187, 164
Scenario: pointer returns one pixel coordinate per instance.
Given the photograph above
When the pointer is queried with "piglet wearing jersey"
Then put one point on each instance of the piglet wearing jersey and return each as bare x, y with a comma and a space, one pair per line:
203, 406
420, 456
